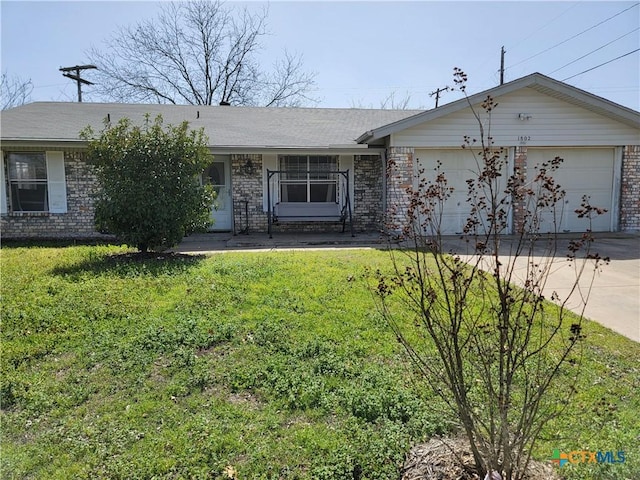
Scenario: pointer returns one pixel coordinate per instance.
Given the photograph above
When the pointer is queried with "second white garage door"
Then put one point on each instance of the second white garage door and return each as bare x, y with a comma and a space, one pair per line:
584, 171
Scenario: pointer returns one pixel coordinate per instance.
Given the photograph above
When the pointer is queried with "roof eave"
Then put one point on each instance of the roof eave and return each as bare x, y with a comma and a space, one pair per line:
42, 142
9, 142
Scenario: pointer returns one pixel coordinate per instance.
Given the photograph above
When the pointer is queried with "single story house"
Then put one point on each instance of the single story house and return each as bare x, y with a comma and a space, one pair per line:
310, 168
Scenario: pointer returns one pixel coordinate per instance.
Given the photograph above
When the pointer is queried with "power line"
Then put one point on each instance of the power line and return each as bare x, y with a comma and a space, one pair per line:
502, 69
543, 26
574, 36
602, 64
593, 51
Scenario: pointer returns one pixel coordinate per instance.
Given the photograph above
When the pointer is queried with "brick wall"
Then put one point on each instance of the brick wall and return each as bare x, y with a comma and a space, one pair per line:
246, 184
399, 178
630, 189
367, 192
520, 168
76, 223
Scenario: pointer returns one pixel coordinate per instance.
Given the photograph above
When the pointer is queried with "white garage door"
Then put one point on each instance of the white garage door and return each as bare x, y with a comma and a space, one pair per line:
583, 172
458, 166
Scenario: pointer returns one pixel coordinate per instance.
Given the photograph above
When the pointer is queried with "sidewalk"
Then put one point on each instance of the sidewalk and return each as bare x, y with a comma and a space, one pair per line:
215, 242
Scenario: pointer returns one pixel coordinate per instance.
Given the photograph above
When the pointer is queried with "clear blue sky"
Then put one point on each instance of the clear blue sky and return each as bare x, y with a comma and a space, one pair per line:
363, 51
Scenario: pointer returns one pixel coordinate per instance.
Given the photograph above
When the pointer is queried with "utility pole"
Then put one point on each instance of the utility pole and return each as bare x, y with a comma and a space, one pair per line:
437, 93
502, 52
67, 73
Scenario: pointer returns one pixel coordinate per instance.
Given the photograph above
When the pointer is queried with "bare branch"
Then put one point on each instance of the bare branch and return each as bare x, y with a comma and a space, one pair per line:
14, 91
199, 53
484, 335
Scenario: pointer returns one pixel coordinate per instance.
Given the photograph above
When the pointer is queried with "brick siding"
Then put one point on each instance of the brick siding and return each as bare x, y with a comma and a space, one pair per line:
367, 192
76, 223
399, 178
630, 189
246, 186
520, 168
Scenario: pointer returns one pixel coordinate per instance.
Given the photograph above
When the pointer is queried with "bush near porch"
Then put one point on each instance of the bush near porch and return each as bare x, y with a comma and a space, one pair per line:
240, 365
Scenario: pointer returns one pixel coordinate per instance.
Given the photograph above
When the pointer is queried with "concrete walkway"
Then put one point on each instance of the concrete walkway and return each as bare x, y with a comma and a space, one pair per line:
614, 299
217, 242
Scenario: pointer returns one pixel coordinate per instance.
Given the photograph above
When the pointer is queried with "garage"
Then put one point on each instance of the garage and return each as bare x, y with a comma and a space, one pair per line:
537, 118
584, 171
459, 166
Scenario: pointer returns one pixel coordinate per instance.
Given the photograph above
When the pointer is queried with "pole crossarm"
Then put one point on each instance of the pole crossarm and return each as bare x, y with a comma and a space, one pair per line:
77, 78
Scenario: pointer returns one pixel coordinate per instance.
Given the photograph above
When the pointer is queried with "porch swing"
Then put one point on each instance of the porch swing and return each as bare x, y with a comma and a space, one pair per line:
286, 191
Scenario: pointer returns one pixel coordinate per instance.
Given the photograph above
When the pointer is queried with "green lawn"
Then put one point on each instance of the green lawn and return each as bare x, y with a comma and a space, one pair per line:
258, 365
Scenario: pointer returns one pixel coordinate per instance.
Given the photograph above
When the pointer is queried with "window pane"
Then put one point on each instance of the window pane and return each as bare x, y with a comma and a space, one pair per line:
27, 166
214, 174
320, 165
29, 197
294, 192
322, 192
295, 167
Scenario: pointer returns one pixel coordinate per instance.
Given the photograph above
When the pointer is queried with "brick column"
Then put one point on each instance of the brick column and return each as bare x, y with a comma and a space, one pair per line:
519, 169
399, 180
367, 199
246, 180
630, 189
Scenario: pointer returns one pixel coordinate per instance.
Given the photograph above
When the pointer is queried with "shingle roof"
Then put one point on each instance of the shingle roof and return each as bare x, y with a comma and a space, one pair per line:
226, 126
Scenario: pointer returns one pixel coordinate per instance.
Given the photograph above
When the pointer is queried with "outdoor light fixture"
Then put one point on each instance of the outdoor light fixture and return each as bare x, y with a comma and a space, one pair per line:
248, 167
525, 116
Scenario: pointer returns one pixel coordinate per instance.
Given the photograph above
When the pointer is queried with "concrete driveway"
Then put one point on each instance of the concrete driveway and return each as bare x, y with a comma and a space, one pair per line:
614, 295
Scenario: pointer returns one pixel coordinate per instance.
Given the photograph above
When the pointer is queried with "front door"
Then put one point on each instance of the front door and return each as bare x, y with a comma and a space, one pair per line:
218, 175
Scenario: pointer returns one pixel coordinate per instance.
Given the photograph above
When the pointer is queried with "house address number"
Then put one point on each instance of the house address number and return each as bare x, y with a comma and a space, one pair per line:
524, 138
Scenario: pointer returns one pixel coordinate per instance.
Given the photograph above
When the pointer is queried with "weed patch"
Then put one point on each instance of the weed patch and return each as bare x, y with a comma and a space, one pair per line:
276, 365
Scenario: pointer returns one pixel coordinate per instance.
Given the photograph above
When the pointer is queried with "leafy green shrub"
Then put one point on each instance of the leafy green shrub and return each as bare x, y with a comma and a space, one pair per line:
150, 196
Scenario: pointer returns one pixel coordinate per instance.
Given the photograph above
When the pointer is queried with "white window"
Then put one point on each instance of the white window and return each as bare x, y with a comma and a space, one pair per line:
308, 178
28, 182
35, 182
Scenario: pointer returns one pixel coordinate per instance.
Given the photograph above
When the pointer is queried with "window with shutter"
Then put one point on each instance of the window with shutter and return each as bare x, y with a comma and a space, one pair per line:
35, 182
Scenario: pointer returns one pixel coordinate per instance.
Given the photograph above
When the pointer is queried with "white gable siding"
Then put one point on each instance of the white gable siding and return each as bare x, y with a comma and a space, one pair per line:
553, 122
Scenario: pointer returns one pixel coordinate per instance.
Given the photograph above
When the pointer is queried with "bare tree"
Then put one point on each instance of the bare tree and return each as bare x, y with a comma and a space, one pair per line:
391, 102
200, 53
14, 91
474, 318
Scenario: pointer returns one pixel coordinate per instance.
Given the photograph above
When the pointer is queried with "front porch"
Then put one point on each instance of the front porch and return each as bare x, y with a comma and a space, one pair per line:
314, 198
